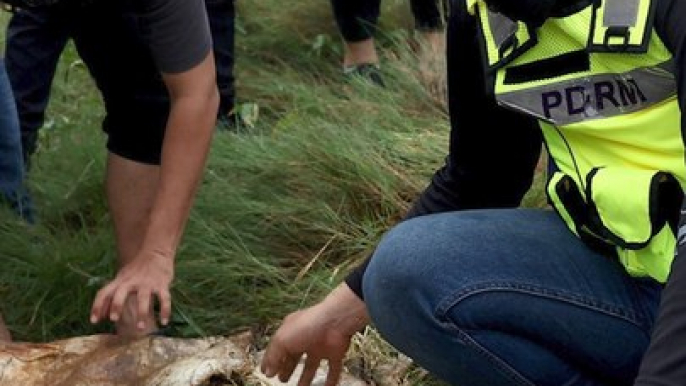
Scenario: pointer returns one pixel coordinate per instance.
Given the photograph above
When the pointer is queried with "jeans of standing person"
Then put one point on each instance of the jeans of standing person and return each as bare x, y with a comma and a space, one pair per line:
36, 38
357, 19
35, 41
12, 188
508, 297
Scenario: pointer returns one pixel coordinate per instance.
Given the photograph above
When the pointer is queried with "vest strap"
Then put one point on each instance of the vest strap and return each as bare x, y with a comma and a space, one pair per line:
640, 226
621, 26
506, 40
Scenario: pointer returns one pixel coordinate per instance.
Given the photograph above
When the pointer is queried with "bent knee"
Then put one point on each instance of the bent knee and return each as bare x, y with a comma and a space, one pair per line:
399, 261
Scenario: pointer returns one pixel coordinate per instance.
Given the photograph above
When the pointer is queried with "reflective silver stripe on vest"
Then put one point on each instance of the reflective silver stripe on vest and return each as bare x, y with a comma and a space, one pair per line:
681, 236
621, 13
595, 96
501, 27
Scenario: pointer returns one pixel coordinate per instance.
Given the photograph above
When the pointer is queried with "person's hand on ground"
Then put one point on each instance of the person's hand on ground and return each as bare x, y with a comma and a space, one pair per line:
321, 332
133, 291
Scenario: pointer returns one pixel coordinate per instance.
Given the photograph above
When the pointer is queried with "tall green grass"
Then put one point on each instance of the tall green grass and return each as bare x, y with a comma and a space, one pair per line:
289, 203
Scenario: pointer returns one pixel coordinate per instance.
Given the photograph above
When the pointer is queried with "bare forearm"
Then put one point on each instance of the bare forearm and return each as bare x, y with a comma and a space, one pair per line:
186, 144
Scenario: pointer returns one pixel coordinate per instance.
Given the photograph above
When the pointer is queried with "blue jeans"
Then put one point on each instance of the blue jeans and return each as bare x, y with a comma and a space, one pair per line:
11, 161
508, 297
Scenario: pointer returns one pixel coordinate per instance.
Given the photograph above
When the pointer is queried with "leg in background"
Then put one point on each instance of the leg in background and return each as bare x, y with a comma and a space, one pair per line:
131, 189
35, 41
222, 15
430, 19
356, 21
12, 189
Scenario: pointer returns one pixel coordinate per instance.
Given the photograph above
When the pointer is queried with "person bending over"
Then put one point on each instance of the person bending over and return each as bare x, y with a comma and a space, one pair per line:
152, 62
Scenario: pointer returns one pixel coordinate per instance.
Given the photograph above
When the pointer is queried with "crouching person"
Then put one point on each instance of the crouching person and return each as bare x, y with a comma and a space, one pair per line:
481, 292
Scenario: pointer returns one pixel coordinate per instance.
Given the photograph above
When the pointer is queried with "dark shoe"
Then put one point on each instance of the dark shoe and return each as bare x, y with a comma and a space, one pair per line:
21, 203
367, 71
228, 122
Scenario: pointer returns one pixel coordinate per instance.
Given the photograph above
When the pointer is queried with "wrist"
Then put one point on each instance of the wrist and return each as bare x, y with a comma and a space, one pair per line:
345, 311
149, 256
160, 242
158, 251
162, 237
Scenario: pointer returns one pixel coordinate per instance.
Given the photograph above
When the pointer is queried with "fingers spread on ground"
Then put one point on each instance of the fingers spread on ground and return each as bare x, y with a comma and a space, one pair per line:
143, 298
335, 370
287, 367
101, 304
165, 306
118, 300
309, 371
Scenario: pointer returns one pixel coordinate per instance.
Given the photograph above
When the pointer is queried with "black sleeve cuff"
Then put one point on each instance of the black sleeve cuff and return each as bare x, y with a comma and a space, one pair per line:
354, 278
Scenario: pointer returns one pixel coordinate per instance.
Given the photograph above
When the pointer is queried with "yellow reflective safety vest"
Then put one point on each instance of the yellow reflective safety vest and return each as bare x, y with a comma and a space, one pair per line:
602, 86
